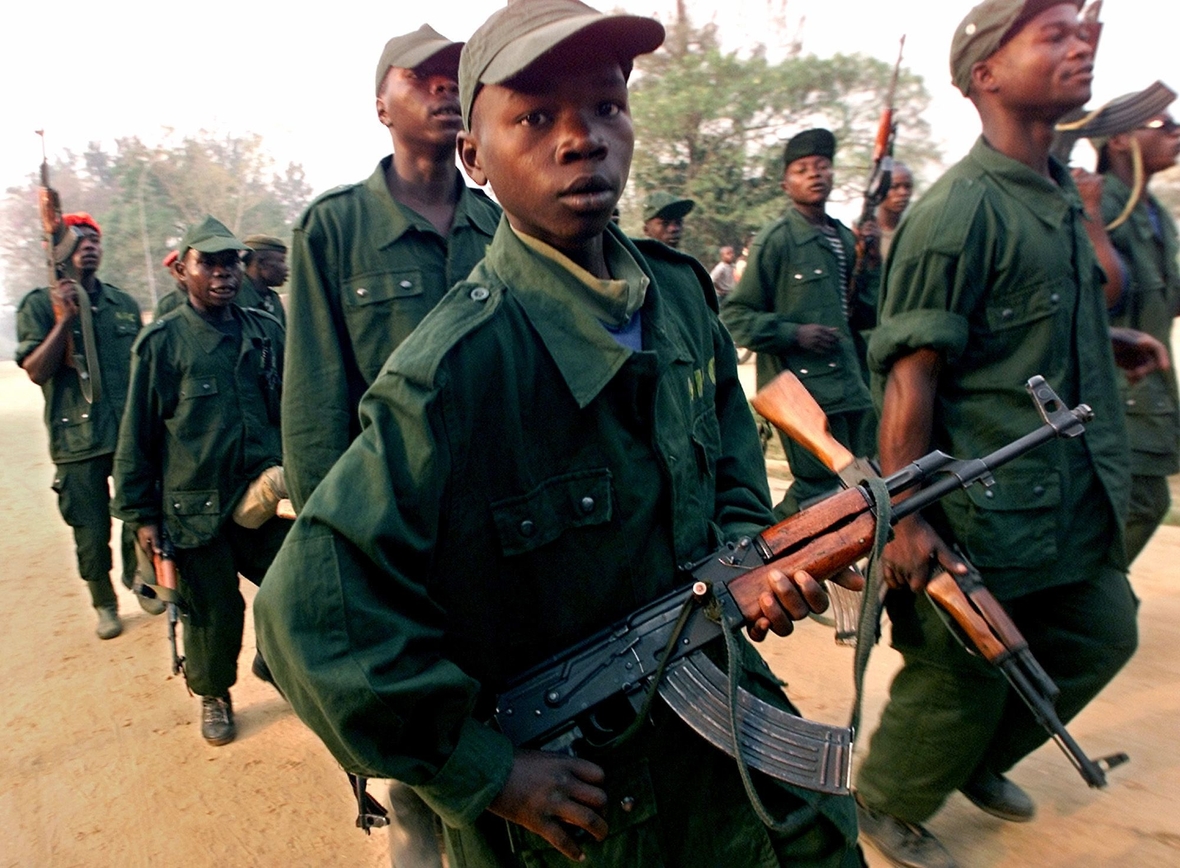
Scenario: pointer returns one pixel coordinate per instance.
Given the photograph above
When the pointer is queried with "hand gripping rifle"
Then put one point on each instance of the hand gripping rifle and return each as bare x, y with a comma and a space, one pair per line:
973, 615
880, 177
60, 243
658, 649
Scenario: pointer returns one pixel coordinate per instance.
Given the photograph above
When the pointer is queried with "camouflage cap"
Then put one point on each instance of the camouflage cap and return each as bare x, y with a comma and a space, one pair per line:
986, 28
209, 236
661, 203
413, 49
265, 242
518, 35
810, 143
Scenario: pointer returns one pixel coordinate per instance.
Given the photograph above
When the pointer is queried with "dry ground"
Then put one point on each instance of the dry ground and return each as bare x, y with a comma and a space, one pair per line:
103, 764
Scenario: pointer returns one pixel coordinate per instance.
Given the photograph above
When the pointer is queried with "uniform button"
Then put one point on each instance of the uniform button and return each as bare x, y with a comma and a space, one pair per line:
1130, 403
65, 418
831, 364
989, 494
798, 277
85, 415
480, 293
361, 291
176, 506
1038, 490
627, 804
208, 503
85, 375
527, 528
587, 505
1007, 313
803, 370
1055, 298
819, 271
405, 284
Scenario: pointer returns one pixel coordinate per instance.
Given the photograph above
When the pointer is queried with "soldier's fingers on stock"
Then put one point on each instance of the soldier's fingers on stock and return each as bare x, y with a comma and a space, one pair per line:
797, 594
813, 592
850, 578
758, 630
781, 622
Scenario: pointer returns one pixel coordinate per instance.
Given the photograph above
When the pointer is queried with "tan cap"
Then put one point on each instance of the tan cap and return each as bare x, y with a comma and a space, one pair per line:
986, 28
411, 50
265, 242
514, 37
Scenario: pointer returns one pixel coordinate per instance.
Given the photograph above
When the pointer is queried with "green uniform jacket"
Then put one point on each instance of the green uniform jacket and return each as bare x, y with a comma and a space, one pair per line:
169, 302
202, 421
993, 269
1149, 303
793, 279
521, 481
78, 430
364, 271
261, 298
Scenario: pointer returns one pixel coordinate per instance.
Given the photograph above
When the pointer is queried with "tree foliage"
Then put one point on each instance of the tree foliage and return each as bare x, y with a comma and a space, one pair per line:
711, 125
144, 197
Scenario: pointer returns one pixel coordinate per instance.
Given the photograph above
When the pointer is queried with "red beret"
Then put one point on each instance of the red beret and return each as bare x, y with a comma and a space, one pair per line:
81, 218
170, 258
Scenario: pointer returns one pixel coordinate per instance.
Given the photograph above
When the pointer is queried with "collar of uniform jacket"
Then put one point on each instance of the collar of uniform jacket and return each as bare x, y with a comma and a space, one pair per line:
1048, 200
207, 335
552, 298
398, 223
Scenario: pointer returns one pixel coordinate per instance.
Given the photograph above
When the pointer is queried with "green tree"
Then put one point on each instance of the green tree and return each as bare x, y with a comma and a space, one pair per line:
144, 196
711, 125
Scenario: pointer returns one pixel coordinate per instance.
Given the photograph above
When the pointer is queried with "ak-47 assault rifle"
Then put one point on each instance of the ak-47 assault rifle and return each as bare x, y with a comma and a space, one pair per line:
973, 615
659, 647
164, 562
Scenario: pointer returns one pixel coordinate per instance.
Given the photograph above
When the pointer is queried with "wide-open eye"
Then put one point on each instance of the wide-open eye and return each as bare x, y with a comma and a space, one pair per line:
535, 118
609, 109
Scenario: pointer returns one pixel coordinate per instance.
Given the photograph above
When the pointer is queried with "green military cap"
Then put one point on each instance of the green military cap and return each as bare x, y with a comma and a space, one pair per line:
663, 204
265, 242
810, 143
413, 49
514, 37
209, 236
986, 28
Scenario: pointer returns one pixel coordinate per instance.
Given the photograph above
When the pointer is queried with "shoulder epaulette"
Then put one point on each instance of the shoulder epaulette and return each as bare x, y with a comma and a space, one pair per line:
468, 305
950, 220
323, 197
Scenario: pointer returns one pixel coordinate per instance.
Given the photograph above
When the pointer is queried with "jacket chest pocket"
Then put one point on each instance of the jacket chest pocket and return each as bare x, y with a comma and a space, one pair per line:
561, 503
1025, 306
198, 410
812, 293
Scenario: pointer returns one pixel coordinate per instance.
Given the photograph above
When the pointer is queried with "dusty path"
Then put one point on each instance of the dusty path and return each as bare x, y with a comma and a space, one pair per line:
103, 764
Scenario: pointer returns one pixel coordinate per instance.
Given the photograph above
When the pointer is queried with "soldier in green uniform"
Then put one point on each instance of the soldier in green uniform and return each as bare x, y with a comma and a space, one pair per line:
170, 300
991, 280
793, 309
82, 432
563, 430
202, 422
663, 216
1144, 235
265, 266
369, 261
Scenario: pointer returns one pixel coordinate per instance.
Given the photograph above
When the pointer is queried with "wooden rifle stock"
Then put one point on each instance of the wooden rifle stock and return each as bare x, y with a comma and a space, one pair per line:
786, 404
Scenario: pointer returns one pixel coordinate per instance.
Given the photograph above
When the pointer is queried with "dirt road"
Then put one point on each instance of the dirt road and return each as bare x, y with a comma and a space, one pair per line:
103, 764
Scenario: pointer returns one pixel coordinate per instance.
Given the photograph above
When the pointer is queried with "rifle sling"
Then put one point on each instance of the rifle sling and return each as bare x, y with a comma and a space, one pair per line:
868, 631
89, 373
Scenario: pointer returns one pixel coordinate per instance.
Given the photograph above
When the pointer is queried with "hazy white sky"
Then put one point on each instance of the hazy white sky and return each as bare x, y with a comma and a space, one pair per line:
304, 80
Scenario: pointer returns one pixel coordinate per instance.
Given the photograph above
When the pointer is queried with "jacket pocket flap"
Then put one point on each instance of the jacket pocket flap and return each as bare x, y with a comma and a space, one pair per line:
1018, 490
376, 288
198, 387
192, 503
571, 500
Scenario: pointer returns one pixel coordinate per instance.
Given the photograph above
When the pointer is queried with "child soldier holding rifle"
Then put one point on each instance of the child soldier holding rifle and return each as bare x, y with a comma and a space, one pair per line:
202, 422
535, 461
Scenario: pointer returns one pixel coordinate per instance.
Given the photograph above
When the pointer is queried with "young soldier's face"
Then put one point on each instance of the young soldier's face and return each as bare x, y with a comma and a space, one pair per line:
556, 148
421, 104
212, 279
1046, 68
901, 187
271, 267
87, 255
1159, 142
808, 180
